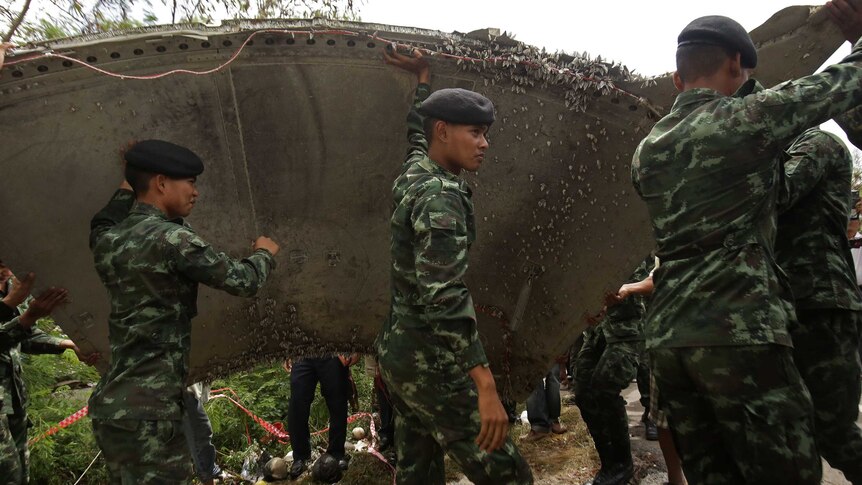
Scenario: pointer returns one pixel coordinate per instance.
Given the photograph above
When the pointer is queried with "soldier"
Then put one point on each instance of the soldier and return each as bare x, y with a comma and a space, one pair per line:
813, 250
717, 327
17, 335
151, 264
644, 288
429, 350
606, 364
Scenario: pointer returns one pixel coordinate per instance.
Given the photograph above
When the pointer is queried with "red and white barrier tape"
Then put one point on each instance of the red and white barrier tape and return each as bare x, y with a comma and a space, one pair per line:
72, 419
273, 429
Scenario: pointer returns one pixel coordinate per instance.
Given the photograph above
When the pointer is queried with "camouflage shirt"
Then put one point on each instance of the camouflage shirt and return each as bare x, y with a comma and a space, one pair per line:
15, 339
710, 173
624, 322
151, 267
851, 123
811, 246
432, 228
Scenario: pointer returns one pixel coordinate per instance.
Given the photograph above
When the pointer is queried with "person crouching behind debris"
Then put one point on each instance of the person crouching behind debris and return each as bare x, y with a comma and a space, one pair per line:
151, 264
429, 345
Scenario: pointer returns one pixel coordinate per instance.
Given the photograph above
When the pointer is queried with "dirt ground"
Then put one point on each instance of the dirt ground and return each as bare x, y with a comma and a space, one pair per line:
567, 459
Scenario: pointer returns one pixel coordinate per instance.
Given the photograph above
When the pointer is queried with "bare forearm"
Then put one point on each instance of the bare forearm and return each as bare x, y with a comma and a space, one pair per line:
483, 378
644, 287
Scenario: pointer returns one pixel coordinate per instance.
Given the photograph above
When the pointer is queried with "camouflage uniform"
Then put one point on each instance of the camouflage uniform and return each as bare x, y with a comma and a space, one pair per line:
716, 327
812, 248
606, 364
430, 341
151, 267
14, 455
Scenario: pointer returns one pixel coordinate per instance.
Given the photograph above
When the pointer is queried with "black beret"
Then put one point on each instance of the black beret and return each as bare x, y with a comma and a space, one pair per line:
164, 158
721, 31
457, 105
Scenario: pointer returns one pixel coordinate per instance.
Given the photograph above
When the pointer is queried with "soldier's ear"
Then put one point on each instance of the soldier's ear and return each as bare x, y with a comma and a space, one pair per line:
441, 129
677, 81
158, 183
735, 66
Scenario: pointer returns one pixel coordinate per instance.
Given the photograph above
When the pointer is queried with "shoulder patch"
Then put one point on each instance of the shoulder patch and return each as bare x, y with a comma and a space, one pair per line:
443, 220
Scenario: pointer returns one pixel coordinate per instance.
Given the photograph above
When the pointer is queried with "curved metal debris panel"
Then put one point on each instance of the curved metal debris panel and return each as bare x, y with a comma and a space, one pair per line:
303, 133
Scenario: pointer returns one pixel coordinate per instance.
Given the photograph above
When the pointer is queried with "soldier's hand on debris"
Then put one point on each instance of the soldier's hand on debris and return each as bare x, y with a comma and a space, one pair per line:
43, 305
89, 359
416, 63
4, 47
847, 15
264, 242
20, 290
286, 366
349, 360
624, 292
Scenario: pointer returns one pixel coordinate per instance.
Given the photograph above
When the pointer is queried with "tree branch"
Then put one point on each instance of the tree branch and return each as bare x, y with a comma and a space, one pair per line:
17, 22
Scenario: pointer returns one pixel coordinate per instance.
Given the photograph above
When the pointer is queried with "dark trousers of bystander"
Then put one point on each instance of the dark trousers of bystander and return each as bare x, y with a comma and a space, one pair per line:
335, 388
543, 405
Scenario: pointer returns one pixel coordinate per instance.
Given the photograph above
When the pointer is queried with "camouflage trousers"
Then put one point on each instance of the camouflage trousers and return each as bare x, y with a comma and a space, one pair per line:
14, 455
437, 413
140, 452
602, 372
738, 414
826, 343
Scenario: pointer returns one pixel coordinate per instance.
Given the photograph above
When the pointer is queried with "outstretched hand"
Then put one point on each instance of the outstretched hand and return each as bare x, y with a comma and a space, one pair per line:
847, 15
416, 63
43, 305
86, 358
20, 290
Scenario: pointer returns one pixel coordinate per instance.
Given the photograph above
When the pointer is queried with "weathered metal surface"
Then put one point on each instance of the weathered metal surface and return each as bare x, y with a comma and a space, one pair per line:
302, 140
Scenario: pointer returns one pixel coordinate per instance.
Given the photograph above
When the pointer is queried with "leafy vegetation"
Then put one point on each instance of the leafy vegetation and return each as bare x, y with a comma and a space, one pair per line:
35, 20
59, 386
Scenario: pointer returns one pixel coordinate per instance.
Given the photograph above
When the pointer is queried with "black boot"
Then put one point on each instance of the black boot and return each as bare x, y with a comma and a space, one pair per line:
621, 470
605, 457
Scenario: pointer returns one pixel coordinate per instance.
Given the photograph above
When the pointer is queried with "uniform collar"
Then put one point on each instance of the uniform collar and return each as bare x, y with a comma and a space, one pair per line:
698, 96
748, 87
692, 98
147, 210
436, 169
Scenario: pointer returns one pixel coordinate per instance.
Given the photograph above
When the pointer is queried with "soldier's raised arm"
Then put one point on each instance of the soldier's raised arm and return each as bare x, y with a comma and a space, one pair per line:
116, 210
789, 109
417, 65
849, 20
196, 259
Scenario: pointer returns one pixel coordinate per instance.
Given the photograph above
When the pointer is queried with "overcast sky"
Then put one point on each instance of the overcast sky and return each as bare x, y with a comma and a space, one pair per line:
640, 34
